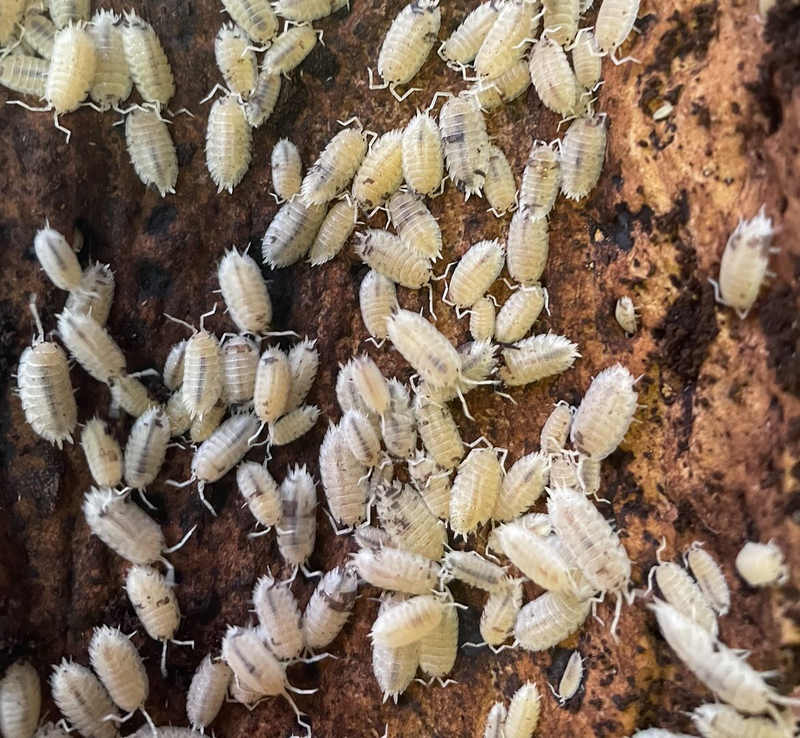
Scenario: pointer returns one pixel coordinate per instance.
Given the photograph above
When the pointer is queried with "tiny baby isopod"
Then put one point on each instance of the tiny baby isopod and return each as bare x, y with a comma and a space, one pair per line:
555, 430
466, 144
83, 700
151, 150
20, 701
571, 679
495, 721
625, 313
228, 143
112, 81
147, 61
287, 169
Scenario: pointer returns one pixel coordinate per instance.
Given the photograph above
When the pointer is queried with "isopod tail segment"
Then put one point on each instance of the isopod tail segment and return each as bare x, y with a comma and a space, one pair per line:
392, 86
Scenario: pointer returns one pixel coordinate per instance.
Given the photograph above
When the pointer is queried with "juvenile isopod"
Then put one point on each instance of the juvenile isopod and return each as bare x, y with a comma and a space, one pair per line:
500, 187
287, 169
130, 395
151, 149
500, 612
24, 74
463, 44
20, 701
291, 233
228, 143
615, 21
399, 427
540, 181
678, 588
207, 692
239, 365
495, 721
260, 491
389, 255
146, 448
549, 619
103, 454
172, 375
293, 425
262, 101
466, 144
394, 667
438, 650
522, 485
329, 607
147, 61
423, 154
335, 167
116, 661
64, 12
377, 299
112, 81
406, 517
710, 578
505, 42
491, 92
297, 528
83, 700
409, 621
475, 490
519, 312
583, 151
281, 623
523, 712
408, 42
415, 225
762, 565
625, 313
561, 19
91, 345
362, 437
256, 17
180, 420
202, 371
245, 292
589, 475
273, 379
398, 570
94, 294
555, 430
305, 11
57, 258
564, 470
587, 60
605, 413
744, 263
40, 33
482, 319
527, 247
472, 569
553, 78
336, 229
381, 171
202, 427
236, 60
571, 678
289, 50
537, 358
303, 367
439, 432
477, 269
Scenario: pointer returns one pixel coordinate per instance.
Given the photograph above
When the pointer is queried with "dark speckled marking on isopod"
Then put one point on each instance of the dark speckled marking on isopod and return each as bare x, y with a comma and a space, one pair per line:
153, 281
160, 219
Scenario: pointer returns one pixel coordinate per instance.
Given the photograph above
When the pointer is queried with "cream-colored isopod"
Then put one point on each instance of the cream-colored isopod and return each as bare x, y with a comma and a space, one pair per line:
293, 425
117, 662
336, 229
92, 346
377, 299
303, 367
337, 164
439, 432
172, 375
506, 41
519, 312
583, 151
523, 712
305, 11
362, 437
94, 294
297, 528
83, 701
256, 17
491, 92
500, 612
289, 50
555, 430
112, 81
540, 181
130, 395
381, 172
482, 319
423, 154
475, 272
527, 247
553, 78
463, 44
432, 482
388, 254
587, 60
415, 225
678, 588
291, 233
722, 721
146, 448
398, 570
344, 478
20, 701
103, 453
329, 607
466, 144
262, 99
236, 59
615, 21
406, 517
280, 621
500, 187
536, 358
239, 364
40, 33
394, 668
260, 492
408, 621
472, 569
10, 14
438, 650
495, 721
147, 61
549, 619
273, 379
762, 565
571, 678
202, 372
57, 258
245, 292
710, 578
625, 313
151, 149
561, 19
201, 428
207, 692
475, 490
408, 42
523, 484
64, 12
24, 74
229, 142
287, 169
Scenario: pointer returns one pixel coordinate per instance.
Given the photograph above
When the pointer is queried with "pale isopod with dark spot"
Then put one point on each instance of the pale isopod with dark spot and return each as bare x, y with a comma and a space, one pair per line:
710, 578
463, 44
466, 144
262, 100
297, 528
389, 255
229, 143
303, 367
519, 312
281, 623
394, 667
236, 60
523, 712
408, 520
336, 229
615, 21
40, 33
287, 169
256, 17
475, 272
291, 233
103, 453
20, 701
239, 365
523, 484
260, 491
553, 78
289, 50
423, 154
329, 607
335, 167
381, 171
540, 181
583, 151
415, 225
151, 149
439, 432
398, 570
57, 258
555, 430
491, 92
505, 42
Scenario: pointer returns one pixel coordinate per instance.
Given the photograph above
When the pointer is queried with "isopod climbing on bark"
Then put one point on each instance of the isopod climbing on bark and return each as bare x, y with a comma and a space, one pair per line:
625, 313
297, 528
615, 21
475, 490
553, 77
147, 61
289, 49
228, 143
583, 151
537, 358
710, 578
571, 678
151, 149
334, 232
500, 187
245, 292
549, 619
505, 42
762, 564
279, 617
527, 247
117, 662
377, 299
92, 346
103, 453
476, 271
57, 258
466, 144
235, 59
423, 154
291, 233
20, 701
207, 692
389, 255
83, 700
256, 17
112, 81
540, 180
523, 712
464, 43
415, 225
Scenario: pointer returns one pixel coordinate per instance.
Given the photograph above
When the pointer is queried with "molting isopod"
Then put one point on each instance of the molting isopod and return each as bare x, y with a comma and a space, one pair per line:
394, 668
540, 181
381, 172
406, 517
583, 151
388, 254
103, 454
439, 432
438, 650
291, 233
491, 92
571, 678
112, 81
605, 413
287, 169
398, 570
587, 60
229, 143
337, 164
377, 299
710, 578
555, 430
415, 225
482, 320
151, 149
303, 366
337, 227
91, 346
408, 41
625, 313
281, 623
256, 17
519, 312
500, 612
83, 700
762, 565
615, 21
235, 59
207, 692
245, 292
202, 373
239, 364
527, 247
64, 12
262, 100
679, 589
94, 294
537, 358
329, 607
293, 425
260, 491
146, 448
495, 721
24, 74
477, 269
117, 662
408, 621
561, 19
553, 78
523, 484
20, 701
147, 61
289, 50
472, 569
57, 258
466, 144
297, 528
40, 33
549, 619
500, 187
475, 490
305, 11
523, 712
423, 155
505, 43
463, 44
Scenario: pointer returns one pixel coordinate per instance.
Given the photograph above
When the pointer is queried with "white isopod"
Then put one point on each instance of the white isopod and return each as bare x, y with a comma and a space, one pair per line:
146, 448
475, 272
495, 721
710, 578
571, 678
583, 151
406, 517
500, 187
500, 612
438, 650
362, 437
112, 81
117, 662
229, 143
239, 364
615, 21
202, 371
303, 367
394, 668
64, 12
287, 169
399, 427
289, 50
475, 490
24, 74
523, 484
207, 692
549, 619
561, 19
130, 395
564, 470
371, 537
381, 171
335, 167
527, 247
537, 358
291, 233
398, 570
439, 432
519, 312
506, 41
11, 14
389, 255
151, 149
679, 589
472, 569
423, 154
260, 491
336, 229
553, 78
377, 299
236, 59
83, 701
415, 225
482, 319
20, 701
463, 44
256, 17
744, 263
147, 61
305, 11
625, 313
297, 528
40, 33
722, 721
587, 59
762, 565
103, 454
202, 427
329, 607
245, 292
408, 42
466, 144
523, 712
408, 621
605, 413
491, 92
371, 385
293, 425
180, 420
348, 394
91, 345
540, 181
432, 482
555, 430
262, 101
534, 557
59, 262
281, 623
94, 294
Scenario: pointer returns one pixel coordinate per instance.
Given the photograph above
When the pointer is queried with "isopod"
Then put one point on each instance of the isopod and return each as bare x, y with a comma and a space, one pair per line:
555, 430
335, 167
207, 692
462, 46
130, 395
564, 470
540, 182
625, 313
94, 294
466, 144
40, 33
553, 78
151, 149
91, 346
477, 269
389, 255
260, 491
587, 59
303, 367
475, 490
589, 475
549, 619
180, 420
262, 101
439, 432
291, 233
305, 11
519, 312
571, 678
57, 258
83, 700
406, 517
500, 612
289, 50
24, 74
505, 42
615, 21
202, 427
409, 621
605, 413
423, 154
239, 364
371, 385
762, 565
561, 20
281, 623
348, 394
523, 712
722, 721
394, 668
64, 12
293, 425
583, 151
116, 661
20, 701
287, 169
362, 437
236, 60
522, 485
10, 15
399, 426
482, 319
112, 81
432, 482
371, 537
500, 187
103, 454
377, 299
678, 588
229, 143
256, 17
202, 372
495, 721
336, 229
297, 528
710, 578
381, 171
527, 247
147, 61
438, 650
537, 358
472, 569
398, 570
534, 557
491, 92
415, 225
329, 607
245, 292
146, 448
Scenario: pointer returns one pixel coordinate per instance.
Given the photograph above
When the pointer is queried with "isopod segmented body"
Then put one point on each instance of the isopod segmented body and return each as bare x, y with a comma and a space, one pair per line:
439, 432
112, 81
462, 46
57, 258
305, 11
260, 491
24, 74
273, 379
710, 579
399, 426
519, 312
583, 151
394, 667
239, 364
129, 394
72, 68
371, 385
202, 427
202, 373
291, 233
255, 668
408, 621
64, 12
500, 612
423, 154
523, 712
540, 181
303, 367
329, 607
83, 700
491, 92
293, 425
147, 61
678, 588
91, 345
381, 171
151, 149
235, 60
523, 484
347, 393
433, 484
40, 33
475, 272
229, 143
103, 454
335, 167
527, 247
561, 20
415, 225
495, 721
587, 60
180, 420
605, 413
398, 570
297, 528
615, 21
549, 619
762, 564
256, 17
625, 313
406, 517
337, 227
279, 617
10, 15
534, 557
500, 187
505, 43
289, 50
363, 438
118, 664
20, 701
262, 101
388, 254
482, 320
472, 569
438, 650
287, 169
245, 292
537, 358
553, 78
94, 294
571, 678
466, 144
207, 692
564, 470
154, 602
408, 41
475, 490
722, 721
146, 448
377, 299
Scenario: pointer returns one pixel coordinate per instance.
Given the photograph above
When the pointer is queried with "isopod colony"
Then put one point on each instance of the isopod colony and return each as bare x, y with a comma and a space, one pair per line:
396, 474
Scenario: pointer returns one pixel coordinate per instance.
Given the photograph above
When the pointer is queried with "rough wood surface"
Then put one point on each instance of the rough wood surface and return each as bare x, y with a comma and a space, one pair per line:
713, 458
